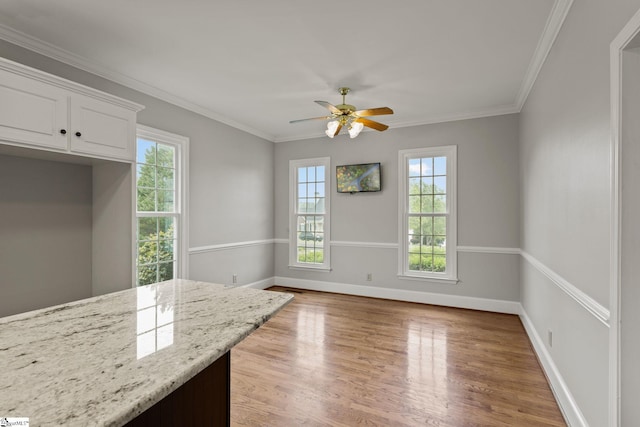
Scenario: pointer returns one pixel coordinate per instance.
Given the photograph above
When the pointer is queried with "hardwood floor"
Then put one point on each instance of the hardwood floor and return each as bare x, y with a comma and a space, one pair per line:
340, 360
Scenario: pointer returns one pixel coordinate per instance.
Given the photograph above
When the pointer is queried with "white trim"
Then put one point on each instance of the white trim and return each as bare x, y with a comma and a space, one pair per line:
228, 246
182, 155
626, 35
485, 304
440, 118
383, 245
568, 405
436, 280
261, 284
591, 305
50, 79
489, 250
552, 28
545, 43
500, 110
311, 267
450, 152
294, 166
615, 261
181, 144
369, 245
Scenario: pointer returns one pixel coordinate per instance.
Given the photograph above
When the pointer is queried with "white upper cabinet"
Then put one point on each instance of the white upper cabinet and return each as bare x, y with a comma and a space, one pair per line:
102, 129
39, 110
32, 112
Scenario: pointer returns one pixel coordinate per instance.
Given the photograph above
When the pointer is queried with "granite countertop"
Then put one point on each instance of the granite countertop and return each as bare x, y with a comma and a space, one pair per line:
105, 360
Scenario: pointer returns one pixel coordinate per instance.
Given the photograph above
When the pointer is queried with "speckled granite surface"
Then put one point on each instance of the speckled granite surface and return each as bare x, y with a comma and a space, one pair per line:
104, 360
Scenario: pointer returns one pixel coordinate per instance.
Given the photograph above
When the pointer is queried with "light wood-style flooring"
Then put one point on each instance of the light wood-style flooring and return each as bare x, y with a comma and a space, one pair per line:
340, 360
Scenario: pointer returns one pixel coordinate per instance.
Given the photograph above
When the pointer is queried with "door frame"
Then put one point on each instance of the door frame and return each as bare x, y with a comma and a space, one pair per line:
617, 48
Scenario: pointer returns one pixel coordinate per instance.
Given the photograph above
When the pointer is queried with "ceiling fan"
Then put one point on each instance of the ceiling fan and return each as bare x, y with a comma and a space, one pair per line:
346, 115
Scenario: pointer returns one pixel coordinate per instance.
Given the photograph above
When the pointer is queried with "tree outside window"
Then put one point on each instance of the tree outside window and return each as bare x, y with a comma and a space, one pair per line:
309, 237
156, 212
427, 213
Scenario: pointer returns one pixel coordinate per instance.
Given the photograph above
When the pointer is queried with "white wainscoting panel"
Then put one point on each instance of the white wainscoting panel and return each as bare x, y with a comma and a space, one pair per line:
591, 305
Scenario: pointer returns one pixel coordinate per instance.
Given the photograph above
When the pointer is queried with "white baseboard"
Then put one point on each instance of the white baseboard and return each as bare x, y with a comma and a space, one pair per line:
570, 410
261, 284
497, 306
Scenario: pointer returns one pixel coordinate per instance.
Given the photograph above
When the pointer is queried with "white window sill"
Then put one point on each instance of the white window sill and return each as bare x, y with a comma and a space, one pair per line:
310, 268
438, 280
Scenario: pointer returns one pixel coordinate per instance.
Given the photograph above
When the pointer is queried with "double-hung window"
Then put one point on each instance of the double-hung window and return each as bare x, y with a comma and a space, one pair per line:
427, 229
161, 244
309, 207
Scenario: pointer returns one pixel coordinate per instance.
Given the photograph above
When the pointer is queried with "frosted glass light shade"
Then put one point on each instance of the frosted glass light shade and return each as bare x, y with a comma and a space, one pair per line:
355, 129
331, 129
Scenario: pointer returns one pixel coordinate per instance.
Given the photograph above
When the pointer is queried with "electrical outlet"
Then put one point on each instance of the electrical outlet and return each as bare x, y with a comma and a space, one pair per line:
550, 337
369, 277
235, 278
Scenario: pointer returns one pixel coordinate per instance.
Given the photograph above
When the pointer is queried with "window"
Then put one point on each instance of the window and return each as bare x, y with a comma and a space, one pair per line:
161, 240
428, 213
309, 207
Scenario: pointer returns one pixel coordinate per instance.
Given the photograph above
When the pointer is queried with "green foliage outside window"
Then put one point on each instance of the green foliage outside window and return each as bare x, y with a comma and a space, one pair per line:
156, 180
155, 258
435, 262
427, 229
155, 193
315, 256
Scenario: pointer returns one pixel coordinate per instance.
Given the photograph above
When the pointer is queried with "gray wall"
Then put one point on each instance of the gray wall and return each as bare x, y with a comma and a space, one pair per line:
548, 194
565, 201
230, 175
112, 252
45, 233
488, 208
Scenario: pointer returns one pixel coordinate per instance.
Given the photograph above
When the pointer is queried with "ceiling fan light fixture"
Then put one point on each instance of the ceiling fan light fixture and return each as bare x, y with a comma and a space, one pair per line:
332, 126
355, 128
344, 114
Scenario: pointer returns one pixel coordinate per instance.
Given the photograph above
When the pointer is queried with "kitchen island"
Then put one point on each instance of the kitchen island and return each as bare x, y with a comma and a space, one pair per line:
158, 352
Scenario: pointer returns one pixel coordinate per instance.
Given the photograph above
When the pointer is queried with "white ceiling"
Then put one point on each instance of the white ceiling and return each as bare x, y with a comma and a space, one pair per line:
258, 64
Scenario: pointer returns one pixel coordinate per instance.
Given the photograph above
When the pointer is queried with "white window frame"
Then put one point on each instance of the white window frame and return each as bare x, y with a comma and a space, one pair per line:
293, 214
181, 145
450, 275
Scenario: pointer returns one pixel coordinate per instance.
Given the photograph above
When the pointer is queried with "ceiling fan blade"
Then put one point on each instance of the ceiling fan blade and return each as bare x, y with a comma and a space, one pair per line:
329, 107
312, 118
374, 112
371, 124
338, 130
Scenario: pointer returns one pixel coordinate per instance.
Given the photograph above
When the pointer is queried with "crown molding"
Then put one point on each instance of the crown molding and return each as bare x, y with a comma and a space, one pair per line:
545, 43
440, 118
50, 79
49, 50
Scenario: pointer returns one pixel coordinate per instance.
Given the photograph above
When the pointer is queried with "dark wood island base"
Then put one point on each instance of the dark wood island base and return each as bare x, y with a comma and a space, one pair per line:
204, 400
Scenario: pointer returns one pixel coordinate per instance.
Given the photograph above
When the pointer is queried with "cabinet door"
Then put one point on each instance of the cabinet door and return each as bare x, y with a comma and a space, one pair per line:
102, 129
32, 112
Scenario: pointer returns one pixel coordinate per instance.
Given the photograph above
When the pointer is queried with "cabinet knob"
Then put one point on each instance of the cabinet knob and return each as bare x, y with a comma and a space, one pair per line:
78, 134
63, 131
